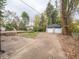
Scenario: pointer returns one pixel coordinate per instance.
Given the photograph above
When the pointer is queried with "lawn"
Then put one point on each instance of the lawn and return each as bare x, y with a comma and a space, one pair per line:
29, 34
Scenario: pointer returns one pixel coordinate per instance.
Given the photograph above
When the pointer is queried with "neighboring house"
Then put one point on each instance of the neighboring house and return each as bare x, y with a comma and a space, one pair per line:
54, 28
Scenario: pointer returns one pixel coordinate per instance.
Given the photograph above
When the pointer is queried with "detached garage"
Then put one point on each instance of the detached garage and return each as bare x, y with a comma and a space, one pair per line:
54, 28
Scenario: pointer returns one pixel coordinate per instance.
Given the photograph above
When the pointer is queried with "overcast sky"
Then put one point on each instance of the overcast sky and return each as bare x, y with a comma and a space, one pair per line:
18, 7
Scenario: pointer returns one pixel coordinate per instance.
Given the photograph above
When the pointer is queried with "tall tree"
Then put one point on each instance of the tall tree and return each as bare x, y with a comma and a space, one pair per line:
25, 20
43, 22
2, 4
68, 7
25, 17
36, 23
54, 16
51, 13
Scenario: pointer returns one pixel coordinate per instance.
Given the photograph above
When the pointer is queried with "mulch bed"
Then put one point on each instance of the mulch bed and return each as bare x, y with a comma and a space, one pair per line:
70, 46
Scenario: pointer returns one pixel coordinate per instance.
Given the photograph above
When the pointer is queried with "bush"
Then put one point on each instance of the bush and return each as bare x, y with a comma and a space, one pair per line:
22, 26
9, 27
74, 27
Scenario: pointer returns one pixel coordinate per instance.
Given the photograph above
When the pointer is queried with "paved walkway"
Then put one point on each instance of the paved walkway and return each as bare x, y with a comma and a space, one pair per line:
46, 46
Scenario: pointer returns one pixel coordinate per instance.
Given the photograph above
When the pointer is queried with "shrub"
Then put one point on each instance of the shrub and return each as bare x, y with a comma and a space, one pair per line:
74, 27
9, 27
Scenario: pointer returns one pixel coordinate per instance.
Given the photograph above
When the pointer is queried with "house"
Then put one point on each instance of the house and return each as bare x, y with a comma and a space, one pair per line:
54, 28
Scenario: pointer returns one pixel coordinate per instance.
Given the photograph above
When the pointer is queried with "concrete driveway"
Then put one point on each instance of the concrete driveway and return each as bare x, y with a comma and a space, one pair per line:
46, 46
11, 44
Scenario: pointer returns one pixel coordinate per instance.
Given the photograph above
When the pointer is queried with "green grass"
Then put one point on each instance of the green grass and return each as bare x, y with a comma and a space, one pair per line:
29, 34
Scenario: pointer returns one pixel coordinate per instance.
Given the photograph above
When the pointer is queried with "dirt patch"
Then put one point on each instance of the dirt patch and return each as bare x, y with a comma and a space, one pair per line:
11, 44
70, 46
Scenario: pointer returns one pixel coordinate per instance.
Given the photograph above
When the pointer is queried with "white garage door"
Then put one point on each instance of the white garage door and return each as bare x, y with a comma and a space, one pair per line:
58, 30
49, 30
54, 30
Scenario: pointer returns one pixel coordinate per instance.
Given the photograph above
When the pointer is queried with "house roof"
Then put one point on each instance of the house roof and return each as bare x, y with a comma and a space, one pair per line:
54, 26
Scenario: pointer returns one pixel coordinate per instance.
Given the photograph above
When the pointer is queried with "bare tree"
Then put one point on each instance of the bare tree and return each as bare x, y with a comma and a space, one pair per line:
68, 7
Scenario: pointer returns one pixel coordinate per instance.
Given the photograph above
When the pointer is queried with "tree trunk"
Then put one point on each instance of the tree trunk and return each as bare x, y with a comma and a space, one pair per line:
65, 20
65, 30
65, 25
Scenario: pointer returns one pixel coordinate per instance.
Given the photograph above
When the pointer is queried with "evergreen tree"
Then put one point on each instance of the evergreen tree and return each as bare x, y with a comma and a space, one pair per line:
51, 14
43, 22
25, 21
25, 17
2, 4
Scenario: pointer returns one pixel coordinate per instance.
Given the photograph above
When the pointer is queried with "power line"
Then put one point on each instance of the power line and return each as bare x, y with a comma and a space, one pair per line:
30, 6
